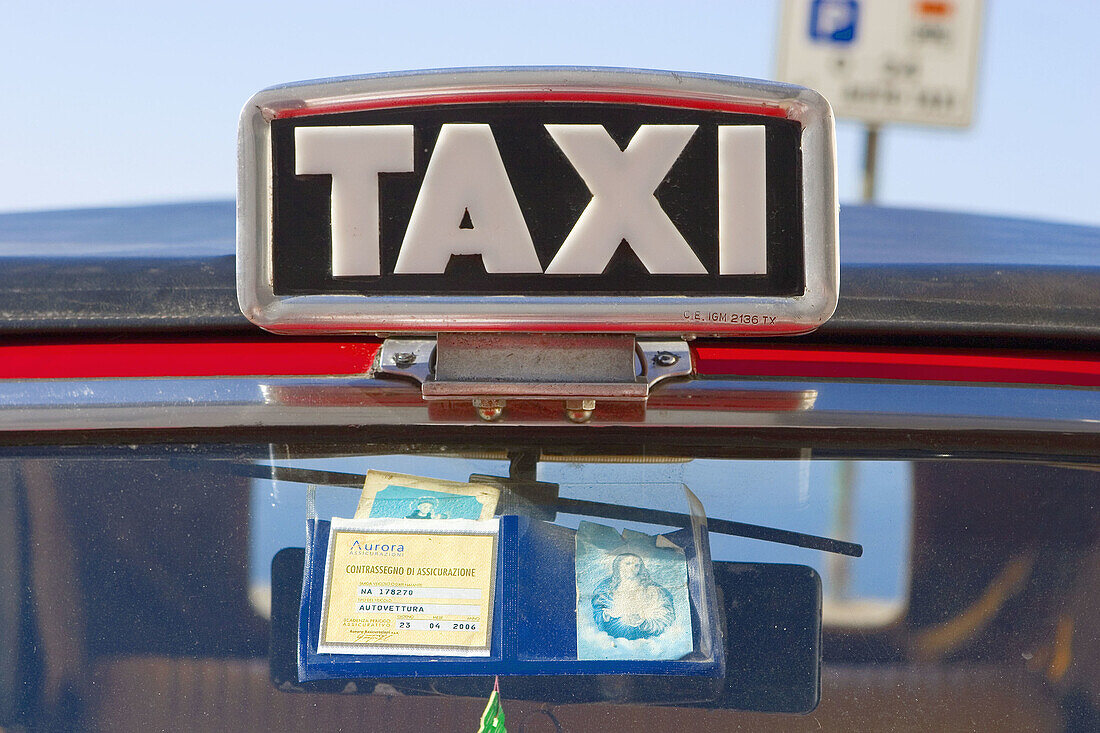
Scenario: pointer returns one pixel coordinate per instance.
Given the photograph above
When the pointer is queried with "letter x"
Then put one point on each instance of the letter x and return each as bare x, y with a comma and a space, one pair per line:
623, 206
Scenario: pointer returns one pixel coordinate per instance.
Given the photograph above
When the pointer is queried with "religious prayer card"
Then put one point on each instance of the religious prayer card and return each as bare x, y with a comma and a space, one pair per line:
399, 496
632, 596
409, 587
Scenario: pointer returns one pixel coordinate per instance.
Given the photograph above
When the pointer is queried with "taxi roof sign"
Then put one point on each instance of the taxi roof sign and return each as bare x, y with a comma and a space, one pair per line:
538, 200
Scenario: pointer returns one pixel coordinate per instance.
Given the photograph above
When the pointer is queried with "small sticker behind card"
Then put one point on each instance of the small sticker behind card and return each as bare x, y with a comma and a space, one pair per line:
400, 496
632, 596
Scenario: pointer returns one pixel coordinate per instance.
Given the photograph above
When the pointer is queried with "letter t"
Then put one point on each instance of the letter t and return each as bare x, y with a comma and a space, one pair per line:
354, 156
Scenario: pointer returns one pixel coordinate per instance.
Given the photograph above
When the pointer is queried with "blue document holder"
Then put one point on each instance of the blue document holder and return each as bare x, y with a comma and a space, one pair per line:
534, 626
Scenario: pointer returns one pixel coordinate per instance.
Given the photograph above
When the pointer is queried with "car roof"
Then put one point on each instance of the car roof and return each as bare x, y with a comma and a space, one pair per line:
905, 274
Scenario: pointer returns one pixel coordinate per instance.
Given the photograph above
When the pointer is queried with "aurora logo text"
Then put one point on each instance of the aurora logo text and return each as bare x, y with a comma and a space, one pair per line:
375, 548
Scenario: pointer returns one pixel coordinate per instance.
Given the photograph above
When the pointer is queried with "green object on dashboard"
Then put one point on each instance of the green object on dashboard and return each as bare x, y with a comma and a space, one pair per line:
492, 720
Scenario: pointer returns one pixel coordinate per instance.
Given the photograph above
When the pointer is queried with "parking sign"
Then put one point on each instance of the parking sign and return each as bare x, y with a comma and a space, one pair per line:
885, 61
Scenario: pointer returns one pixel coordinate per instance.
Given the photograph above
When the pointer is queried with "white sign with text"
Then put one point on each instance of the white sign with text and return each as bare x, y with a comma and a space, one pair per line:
909, 61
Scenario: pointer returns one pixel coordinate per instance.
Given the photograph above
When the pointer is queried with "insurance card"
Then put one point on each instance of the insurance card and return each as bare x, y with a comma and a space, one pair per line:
409, 587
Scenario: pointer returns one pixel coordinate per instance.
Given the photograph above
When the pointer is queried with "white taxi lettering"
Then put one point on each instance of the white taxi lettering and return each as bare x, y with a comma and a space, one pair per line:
466, 178
466, 204
354, 156
623, 206
742, 204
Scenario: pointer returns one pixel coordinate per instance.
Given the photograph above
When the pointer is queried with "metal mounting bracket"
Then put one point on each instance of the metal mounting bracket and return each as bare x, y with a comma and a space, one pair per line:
579, 369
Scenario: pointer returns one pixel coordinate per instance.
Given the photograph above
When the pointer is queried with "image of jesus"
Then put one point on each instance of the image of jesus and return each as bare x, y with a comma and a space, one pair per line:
629, 604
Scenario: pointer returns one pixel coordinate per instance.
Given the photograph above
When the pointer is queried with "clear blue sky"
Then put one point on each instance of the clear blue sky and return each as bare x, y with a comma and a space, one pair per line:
112, 103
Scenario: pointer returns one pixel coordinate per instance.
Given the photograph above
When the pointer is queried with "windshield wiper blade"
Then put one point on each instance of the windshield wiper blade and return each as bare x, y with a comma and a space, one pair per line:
582, 507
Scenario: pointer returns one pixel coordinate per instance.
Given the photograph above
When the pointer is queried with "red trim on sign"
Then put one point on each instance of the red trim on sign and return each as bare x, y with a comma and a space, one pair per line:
186, 358
475, 97
933, 365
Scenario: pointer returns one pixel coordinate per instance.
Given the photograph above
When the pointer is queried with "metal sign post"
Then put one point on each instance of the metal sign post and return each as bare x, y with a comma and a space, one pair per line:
870, 162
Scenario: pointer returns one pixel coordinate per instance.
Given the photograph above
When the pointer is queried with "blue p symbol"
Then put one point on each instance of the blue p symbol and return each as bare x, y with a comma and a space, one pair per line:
834, 20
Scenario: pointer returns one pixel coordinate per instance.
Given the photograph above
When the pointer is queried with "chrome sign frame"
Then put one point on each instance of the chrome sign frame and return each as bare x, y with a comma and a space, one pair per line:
686, 315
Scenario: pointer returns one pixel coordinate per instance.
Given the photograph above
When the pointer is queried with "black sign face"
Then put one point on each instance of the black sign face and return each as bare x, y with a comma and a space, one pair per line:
508, 170
542, 200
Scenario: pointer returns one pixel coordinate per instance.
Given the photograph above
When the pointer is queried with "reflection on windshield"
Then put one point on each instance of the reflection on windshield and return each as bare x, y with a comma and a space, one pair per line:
867, 502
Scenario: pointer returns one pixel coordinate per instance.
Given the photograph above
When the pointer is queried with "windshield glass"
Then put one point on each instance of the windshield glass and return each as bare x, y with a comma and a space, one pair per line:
148, 571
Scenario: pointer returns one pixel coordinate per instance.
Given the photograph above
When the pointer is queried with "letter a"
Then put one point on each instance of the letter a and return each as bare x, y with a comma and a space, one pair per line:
466, 181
